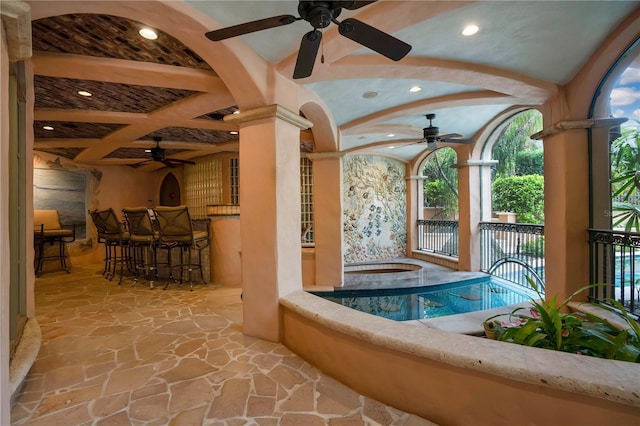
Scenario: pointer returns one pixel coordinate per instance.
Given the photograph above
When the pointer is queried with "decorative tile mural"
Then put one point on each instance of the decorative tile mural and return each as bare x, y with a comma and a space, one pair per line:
63, 190
374, 208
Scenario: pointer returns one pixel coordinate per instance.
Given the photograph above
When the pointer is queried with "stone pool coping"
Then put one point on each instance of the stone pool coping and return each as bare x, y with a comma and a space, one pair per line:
616, 381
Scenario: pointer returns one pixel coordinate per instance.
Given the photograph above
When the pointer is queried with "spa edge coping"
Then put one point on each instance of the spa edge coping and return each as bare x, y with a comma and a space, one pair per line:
617, 381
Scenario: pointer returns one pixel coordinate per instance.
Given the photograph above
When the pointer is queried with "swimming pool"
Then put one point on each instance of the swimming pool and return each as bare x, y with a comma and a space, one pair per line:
405, 304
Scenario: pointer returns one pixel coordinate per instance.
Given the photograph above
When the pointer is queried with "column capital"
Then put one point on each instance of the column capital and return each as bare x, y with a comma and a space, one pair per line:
324, 155
269, 111
561, 126
470, 163
16, 18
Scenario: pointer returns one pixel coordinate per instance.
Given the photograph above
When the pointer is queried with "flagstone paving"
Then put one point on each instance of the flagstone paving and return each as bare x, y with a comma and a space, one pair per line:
120, 355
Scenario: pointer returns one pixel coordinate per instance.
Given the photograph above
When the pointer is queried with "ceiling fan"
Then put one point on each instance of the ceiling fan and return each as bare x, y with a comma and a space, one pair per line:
320, 14
158, 155
431, 135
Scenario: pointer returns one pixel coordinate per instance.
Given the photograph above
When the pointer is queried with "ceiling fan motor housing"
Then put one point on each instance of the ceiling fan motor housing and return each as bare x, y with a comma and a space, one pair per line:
319, 13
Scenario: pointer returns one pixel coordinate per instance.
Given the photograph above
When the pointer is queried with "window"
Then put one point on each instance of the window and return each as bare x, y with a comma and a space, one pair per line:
306, 200
202, 186
234, 181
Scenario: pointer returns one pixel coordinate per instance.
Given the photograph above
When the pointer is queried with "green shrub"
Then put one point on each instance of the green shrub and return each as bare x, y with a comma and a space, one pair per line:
530, 163
523, 195
533, 247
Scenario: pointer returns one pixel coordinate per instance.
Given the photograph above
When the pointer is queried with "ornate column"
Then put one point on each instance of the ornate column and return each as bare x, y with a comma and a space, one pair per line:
270, 214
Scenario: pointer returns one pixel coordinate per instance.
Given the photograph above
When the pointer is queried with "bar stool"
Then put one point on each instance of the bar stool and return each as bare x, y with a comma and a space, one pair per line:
145, 242
177, 229
116, 241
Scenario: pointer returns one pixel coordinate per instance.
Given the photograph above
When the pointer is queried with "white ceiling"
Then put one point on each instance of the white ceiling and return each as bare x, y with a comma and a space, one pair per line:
523, 53
541, 40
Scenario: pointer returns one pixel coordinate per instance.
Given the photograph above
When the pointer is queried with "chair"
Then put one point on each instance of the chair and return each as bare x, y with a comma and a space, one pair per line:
48, 229
177, 229
116, 240
145, 242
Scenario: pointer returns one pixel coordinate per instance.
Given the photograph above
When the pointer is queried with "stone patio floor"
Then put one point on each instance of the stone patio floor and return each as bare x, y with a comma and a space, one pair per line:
122, 355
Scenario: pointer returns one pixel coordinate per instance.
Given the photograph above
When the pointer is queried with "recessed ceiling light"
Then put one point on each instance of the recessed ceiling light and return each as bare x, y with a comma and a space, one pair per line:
233, 132
470, 30
148, 33
391, 147
415, 89
236, 111
84, 93
147, 150
370, 95
47, 127
390, 135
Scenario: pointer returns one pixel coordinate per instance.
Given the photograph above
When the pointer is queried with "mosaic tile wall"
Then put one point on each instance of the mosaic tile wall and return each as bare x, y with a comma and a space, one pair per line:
374, 205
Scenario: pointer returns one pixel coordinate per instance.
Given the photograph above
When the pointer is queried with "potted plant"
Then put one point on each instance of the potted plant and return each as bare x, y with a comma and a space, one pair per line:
546, 325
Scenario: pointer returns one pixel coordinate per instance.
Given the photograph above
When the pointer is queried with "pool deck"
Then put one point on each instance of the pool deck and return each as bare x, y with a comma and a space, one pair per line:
430, 274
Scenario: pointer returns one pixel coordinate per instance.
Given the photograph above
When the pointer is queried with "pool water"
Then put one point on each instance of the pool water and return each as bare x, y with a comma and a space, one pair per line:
433, 301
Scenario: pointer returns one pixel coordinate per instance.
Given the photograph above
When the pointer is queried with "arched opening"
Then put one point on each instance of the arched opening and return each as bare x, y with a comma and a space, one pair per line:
615, 185
513, 235
170, 191
438, 223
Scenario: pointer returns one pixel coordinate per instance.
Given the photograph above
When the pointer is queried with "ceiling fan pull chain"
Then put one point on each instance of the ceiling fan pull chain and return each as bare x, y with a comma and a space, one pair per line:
322, 47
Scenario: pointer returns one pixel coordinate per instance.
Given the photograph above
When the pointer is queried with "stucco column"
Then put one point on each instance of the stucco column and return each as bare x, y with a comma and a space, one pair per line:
269, 214
328, 218
566, 212
415, 209
469, 214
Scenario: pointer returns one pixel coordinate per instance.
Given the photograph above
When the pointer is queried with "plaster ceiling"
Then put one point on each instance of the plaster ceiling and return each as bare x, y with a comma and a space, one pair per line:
523, 52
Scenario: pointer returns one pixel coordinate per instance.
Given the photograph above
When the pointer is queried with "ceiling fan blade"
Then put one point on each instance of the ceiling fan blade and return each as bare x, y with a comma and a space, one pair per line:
449, 136
180, 161
353, 5
307, 54
374, 39
142, 163
250, 27
168, 163
454, 140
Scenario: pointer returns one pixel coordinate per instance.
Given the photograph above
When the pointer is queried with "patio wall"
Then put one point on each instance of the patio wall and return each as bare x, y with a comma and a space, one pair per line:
452, 378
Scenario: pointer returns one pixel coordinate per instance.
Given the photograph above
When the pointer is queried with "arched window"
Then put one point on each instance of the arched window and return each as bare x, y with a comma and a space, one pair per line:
518, 176
438, 228
615, 185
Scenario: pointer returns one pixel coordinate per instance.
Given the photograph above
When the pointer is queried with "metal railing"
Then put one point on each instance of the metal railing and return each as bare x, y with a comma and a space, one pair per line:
615, 263
438, 236
513, 251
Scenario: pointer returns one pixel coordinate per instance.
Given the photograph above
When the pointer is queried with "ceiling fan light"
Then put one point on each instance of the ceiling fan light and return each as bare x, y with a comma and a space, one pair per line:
148, 33
470, 30
431, 146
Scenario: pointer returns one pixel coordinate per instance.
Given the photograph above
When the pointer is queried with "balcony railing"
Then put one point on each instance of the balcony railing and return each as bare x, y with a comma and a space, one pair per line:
438, 236
513, 251
615, 263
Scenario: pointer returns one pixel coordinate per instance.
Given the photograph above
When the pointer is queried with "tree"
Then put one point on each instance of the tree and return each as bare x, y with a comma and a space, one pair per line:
441, 183
625, 178
513, 139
